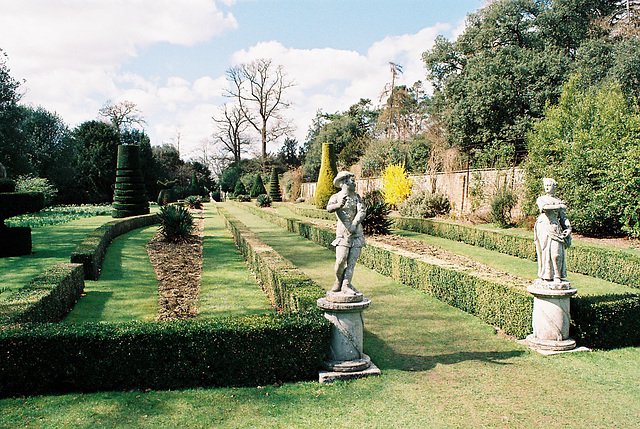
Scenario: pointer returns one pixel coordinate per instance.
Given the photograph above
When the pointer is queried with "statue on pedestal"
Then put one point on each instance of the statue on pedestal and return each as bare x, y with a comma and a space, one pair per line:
552, 236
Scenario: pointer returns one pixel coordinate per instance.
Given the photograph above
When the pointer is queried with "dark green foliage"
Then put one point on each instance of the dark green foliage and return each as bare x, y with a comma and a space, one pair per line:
274, 186
90, 252
376, 221
243, 198
423, 204
15, 241
606, 322
250, 351
501, 205
328, 172
130, 196
263, 200
215, 196
176, 223
229, 178
16, 203
7, 185
239, 189
590, 144
193, 201
258, 187
167, 195
46, 298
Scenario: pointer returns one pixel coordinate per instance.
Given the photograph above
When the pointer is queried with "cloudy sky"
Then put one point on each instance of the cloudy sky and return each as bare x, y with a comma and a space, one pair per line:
170, 56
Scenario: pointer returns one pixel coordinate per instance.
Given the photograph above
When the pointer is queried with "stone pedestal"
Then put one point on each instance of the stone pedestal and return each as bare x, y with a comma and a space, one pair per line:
346, 357
551, 316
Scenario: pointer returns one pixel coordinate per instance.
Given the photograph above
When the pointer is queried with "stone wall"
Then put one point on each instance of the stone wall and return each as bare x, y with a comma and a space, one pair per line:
469, 192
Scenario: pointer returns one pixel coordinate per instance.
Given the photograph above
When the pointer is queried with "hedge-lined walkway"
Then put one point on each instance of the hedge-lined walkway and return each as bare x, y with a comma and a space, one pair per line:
127, 289
227, 288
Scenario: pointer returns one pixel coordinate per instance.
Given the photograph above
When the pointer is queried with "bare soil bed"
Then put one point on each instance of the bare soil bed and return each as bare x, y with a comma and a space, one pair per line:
178, 267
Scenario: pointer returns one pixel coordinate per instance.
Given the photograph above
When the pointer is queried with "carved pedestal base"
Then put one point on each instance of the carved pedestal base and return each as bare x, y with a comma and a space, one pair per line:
551, 316
346, 357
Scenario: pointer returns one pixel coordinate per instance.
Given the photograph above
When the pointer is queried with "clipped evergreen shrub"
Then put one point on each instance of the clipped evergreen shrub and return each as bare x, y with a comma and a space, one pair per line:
167, 195
423, 204
274, 186
258, 187
239, 189
16, 241
328, 172
130, 196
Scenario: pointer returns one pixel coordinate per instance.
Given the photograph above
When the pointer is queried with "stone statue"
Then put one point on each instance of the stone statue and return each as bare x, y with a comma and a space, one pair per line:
552, 235
350, 210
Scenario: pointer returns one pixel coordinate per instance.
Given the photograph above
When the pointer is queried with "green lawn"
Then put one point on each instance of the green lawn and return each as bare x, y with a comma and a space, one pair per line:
440, 368
127, 289
228, 288
50, 245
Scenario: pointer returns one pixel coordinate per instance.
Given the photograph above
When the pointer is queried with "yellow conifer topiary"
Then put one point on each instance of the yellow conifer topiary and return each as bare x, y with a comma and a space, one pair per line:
396, 185
328, 172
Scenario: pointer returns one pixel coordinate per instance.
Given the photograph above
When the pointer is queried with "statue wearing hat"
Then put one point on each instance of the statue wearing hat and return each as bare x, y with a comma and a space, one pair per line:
350, 210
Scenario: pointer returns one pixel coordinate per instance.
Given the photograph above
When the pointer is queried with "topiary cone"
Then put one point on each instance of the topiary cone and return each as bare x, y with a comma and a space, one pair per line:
258, 187
129, 197
328, 172
274, 186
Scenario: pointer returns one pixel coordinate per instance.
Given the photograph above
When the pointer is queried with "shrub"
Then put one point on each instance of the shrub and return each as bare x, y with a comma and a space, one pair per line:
274, 186
501, 205
377, 219
423, 204
243, 198
239, 189
263, 200
258, 187
215, 196
396, 184
328, 172
31, 183
193, 201
176, 223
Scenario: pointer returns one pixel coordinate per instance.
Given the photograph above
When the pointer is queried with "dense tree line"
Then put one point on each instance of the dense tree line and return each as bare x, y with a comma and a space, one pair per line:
81, 162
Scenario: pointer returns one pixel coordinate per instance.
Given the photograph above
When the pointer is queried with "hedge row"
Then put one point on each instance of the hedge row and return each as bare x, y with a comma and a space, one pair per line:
90, 252
248, 351
311, 212
288, 288
597, 321
46, 298
611, 265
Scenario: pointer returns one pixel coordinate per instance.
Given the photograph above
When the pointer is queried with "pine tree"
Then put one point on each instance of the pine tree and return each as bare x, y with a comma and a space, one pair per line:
258, 187
274, 186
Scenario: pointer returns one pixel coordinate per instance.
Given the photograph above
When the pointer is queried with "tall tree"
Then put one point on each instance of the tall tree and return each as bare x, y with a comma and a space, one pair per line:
11, 153
122, 115
259, 89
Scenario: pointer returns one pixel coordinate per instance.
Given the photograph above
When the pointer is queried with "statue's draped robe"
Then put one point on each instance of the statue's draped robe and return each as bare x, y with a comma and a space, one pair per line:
353, 210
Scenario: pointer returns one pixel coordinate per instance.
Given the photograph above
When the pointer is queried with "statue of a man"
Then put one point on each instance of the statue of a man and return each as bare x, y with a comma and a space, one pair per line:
552, 235
350, 210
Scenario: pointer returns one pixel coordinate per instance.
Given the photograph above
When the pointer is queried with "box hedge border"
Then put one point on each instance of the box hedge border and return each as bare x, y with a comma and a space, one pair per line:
605, 322
611, 265
247, 351
90, 252
46, 298
243, 351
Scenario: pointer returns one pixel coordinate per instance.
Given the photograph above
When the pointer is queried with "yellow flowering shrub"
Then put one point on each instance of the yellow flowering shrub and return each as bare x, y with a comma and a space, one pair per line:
396, 185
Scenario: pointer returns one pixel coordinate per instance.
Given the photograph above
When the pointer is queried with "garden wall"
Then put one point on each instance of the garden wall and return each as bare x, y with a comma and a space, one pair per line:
467, 191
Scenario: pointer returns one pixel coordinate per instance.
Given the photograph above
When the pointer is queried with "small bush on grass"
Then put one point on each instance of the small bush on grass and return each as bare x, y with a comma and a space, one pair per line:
239, 189
263, 200
258, 187
193, 201
501, 205
243, 198
423, 204
31, 183
176, 223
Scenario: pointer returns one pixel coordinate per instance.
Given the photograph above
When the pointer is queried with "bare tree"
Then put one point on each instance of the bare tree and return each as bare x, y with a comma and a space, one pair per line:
122, 115
259, 87
231, 126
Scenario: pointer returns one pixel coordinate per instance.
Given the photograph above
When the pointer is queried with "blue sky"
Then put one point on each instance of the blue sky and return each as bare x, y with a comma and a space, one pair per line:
169, 56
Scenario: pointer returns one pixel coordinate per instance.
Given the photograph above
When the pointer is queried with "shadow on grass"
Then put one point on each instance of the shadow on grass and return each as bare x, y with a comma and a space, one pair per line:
385, 357
93, 303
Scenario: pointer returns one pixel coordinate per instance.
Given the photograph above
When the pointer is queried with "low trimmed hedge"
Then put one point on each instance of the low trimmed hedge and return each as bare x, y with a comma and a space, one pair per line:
288, 288
610, 265
311, 212
46, 298
605, 322
90, 252
248, 351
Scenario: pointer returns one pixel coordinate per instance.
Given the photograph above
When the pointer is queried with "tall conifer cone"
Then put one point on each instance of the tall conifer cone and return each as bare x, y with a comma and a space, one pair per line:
328, 172
274, 186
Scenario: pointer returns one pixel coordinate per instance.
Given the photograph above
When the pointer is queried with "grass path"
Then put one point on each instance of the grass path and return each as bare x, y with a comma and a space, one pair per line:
441, 368
127, 289
235, 293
